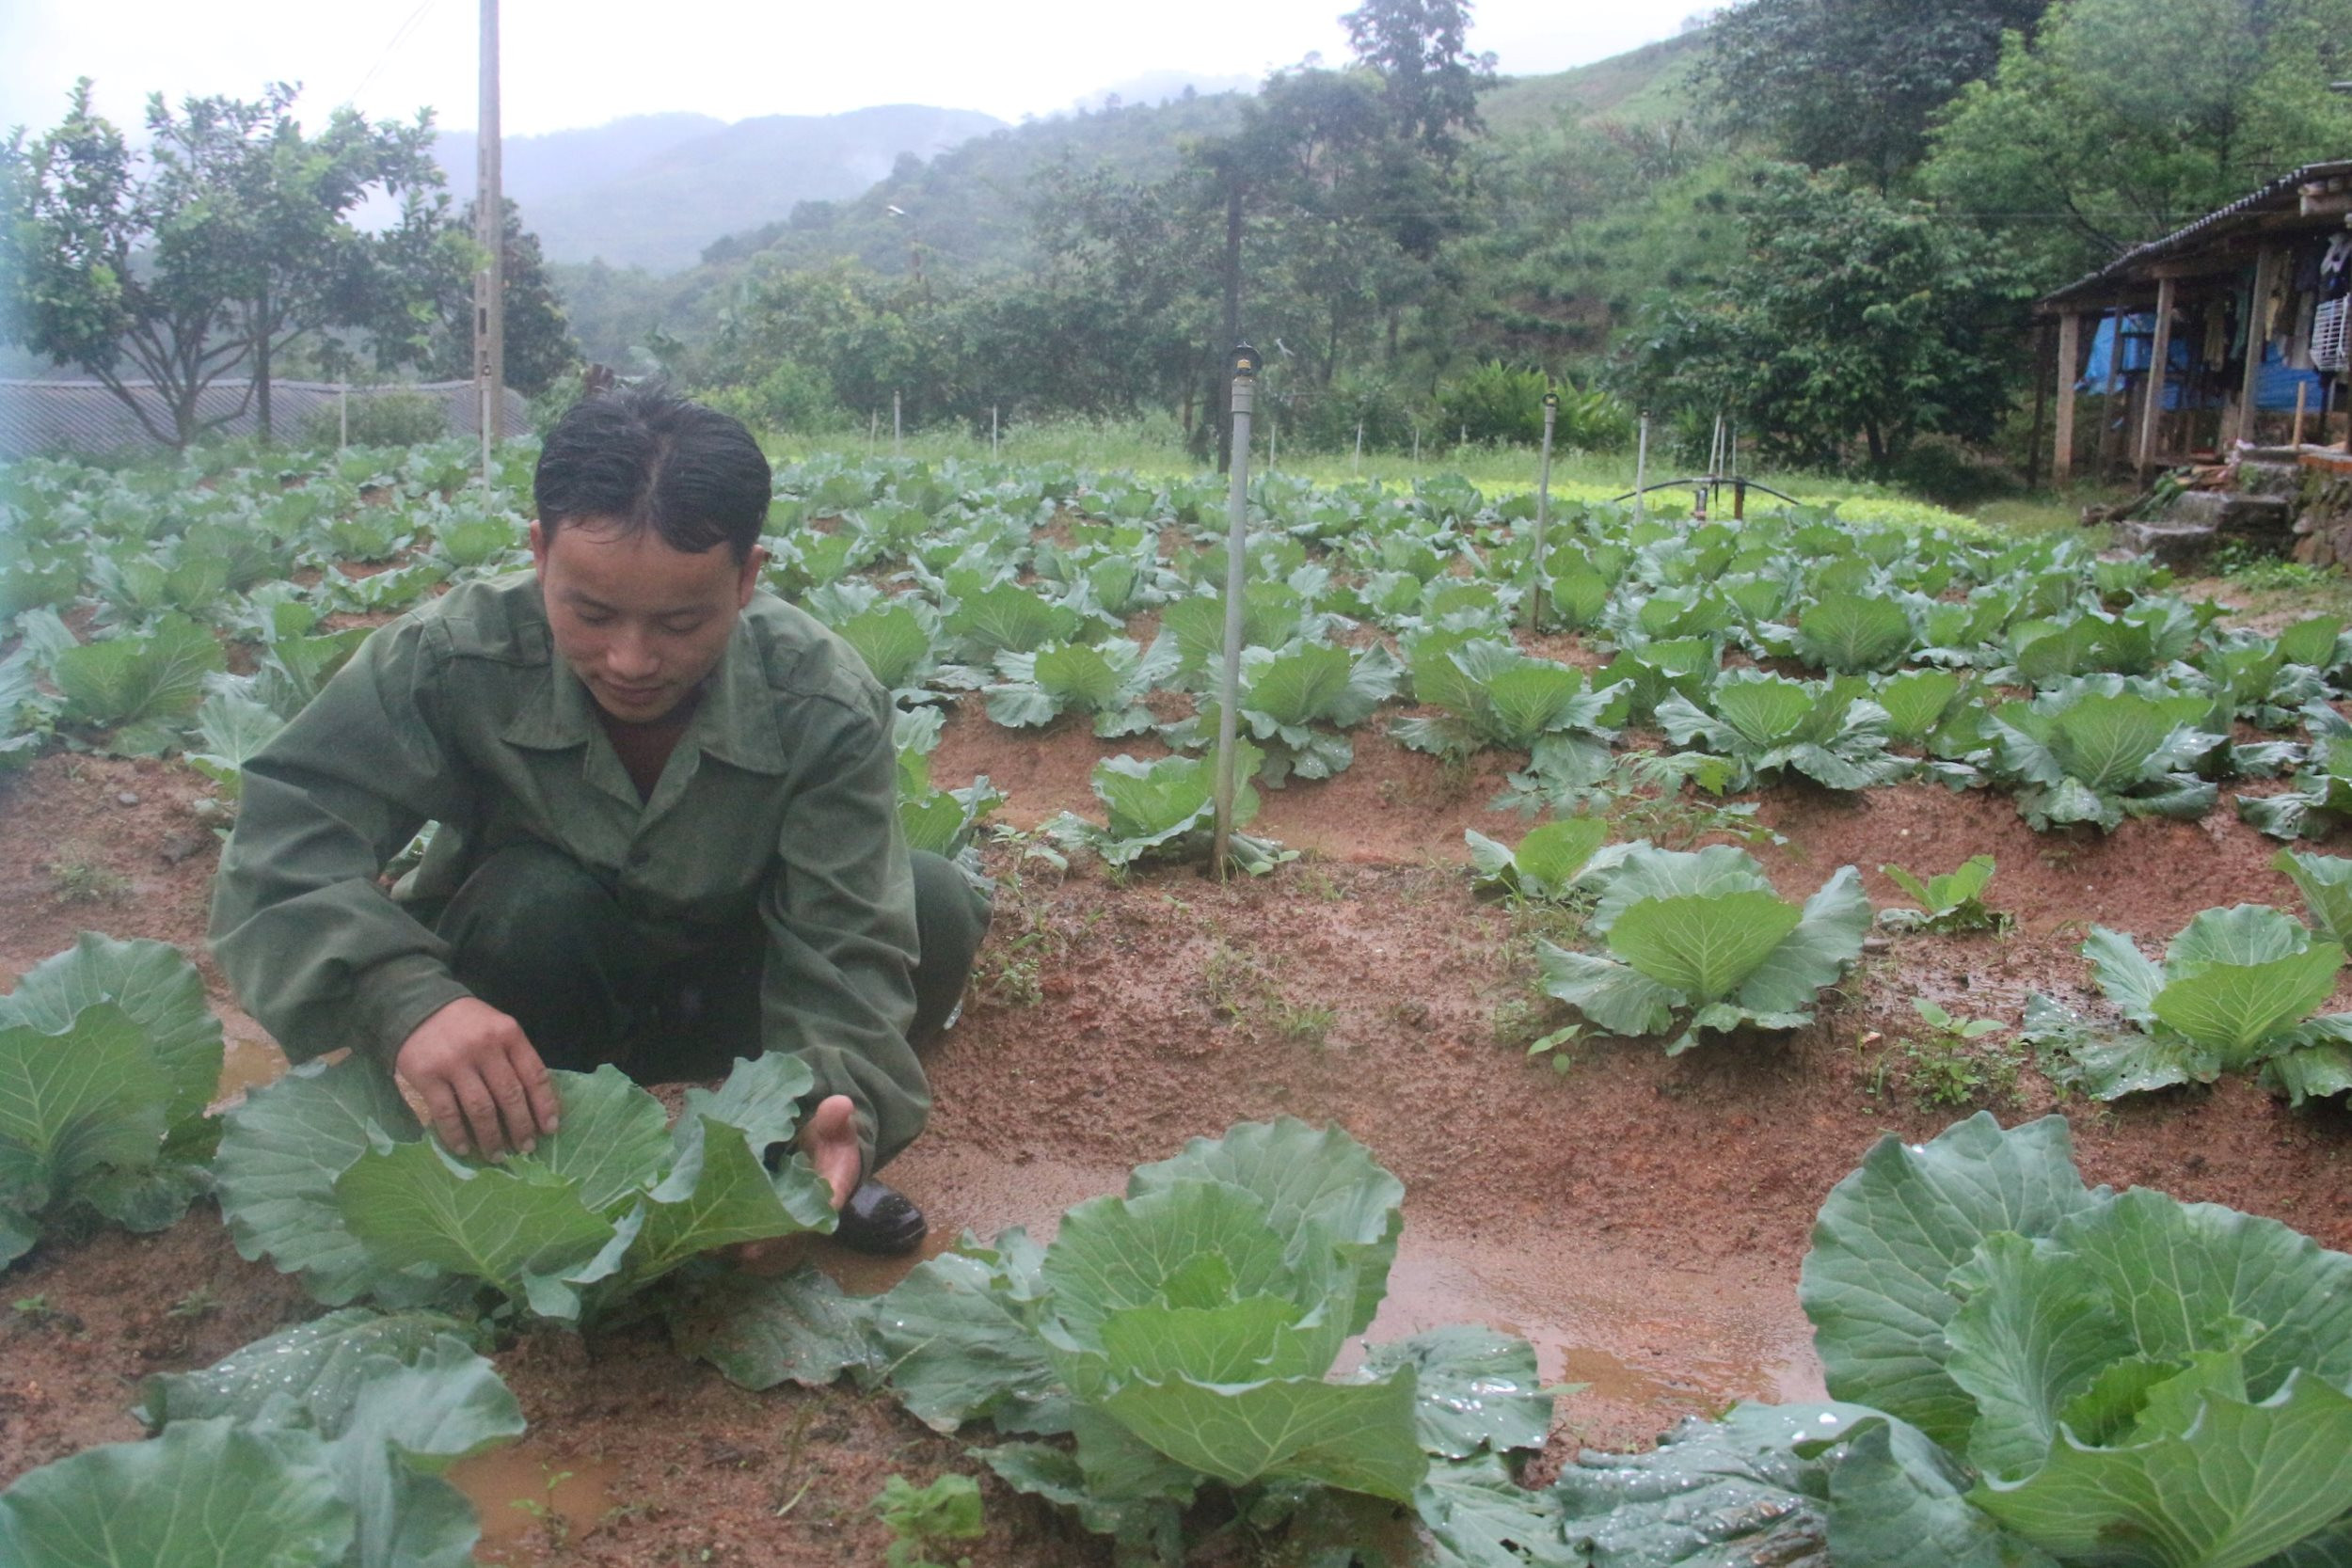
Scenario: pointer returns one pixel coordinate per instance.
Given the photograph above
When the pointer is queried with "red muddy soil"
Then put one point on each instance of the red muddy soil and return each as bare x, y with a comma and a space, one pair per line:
1640, 1219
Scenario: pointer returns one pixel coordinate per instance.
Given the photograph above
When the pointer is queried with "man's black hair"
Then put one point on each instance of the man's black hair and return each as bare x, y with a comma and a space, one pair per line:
644, 457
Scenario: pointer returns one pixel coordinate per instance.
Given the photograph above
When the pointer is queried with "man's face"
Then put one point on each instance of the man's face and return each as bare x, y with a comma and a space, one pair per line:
639, 623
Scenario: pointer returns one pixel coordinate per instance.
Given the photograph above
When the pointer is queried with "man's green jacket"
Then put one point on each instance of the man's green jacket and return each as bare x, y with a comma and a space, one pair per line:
778, 806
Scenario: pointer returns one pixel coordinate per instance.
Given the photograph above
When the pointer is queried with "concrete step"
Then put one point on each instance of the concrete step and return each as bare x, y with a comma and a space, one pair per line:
2284, 479
2255, 518
2174, 544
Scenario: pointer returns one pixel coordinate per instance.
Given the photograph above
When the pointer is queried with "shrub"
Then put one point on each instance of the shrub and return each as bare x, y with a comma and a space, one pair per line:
1495, 402
381, 417
792, 397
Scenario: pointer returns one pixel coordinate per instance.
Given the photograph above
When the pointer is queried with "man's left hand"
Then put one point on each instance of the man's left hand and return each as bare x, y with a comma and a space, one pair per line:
830, 1141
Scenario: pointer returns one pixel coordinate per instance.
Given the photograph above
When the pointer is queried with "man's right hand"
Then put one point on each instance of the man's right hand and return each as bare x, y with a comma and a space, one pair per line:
483, 1087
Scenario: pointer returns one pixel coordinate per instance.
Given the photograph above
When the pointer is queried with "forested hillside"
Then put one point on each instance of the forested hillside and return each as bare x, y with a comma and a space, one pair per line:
1824, 220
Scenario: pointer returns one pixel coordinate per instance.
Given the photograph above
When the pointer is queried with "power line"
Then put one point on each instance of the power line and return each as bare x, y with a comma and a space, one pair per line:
398, 38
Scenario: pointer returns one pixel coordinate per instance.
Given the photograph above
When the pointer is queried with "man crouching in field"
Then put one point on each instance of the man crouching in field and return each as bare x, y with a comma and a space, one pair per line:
668, 837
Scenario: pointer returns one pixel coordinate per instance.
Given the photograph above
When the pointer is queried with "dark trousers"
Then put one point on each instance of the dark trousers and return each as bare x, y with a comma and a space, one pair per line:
539, 938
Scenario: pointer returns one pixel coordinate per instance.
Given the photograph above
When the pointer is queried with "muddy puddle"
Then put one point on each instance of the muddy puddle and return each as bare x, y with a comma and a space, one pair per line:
531, 1493
1650, 1342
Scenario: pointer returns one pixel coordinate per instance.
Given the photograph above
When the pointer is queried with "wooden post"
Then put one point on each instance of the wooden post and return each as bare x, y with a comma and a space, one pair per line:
2069, 370
2302, 396
2044, 354
2159, 363
2265, 278
2110, 444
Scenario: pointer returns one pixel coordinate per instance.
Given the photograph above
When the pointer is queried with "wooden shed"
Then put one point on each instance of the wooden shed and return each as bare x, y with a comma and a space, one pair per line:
2230, 329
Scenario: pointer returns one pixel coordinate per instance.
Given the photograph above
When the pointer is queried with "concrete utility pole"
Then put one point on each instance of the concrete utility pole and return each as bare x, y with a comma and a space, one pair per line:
1543, 511
1243, 365
489, 233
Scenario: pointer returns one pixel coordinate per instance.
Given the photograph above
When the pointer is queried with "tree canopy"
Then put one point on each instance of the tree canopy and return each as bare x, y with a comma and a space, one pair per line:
1852, 315
1856, 82
2123, 120
228, 240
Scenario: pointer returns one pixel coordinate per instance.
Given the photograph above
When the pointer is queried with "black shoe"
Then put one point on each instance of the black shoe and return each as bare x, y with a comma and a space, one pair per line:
880, 1220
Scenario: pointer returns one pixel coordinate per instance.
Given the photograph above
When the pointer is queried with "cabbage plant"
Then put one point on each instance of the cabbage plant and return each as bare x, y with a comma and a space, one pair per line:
936, 819
1184, 1336
2321, 802
1764, 725
2099, 749
1949, 902
2326, 884
1853, 633
1550, 862
329, 1175
2029, 1372
1286, 699
2118, 1379
1703, 936
323, 1444
140, 688
108, 1055
1494, 696
2236, 991
1167, 808
1108, 680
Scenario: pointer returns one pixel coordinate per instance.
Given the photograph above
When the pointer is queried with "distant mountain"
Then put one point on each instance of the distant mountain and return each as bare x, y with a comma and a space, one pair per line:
968, 205
535, 169
653, 191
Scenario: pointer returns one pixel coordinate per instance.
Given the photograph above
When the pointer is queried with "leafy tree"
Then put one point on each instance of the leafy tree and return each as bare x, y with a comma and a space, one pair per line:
225, 241
1853, 317
1856, 82
1419, 48
539, 347
2124, 119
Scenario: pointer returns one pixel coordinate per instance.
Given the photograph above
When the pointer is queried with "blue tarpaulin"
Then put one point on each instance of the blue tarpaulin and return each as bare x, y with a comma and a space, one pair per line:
2274, 384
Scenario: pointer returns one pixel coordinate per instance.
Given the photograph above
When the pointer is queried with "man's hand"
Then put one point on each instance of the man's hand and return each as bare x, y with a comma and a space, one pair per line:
483, 1087
830, 1141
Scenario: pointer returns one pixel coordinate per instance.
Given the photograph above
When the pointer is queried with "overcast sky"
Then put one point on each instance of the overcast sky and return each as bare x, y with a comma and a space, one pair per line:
568, 63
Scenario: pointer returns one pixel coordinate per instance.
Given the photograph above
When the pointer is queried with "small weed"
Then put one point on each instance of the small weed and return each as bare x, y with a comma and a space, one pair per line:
77, 880
1523, 1022
2258, 571
1240, 991
553, 1521
947, 1510
199, 1302
1299, 1023
1645, 794
1318, 883
1558, 921
1233, 983
1011, 968
34, 1311
1013, 972
1951, 1064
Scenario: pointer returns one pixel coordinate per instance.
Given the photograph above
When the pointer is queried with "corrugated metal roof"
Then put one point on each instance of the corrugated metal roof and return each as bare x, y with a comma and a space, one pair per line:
41, 417
2272, 195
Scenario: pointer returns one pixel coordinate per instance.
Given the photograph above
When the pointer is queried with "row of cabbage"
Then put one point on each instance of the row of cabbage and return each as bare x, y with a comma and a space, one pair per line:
2012, 1387
1691, 942
1783, 646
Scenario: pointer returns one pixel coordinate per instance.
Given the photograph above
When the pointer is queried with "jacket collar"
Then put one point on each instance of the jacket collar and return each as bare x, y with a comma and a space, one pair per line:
736, 722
